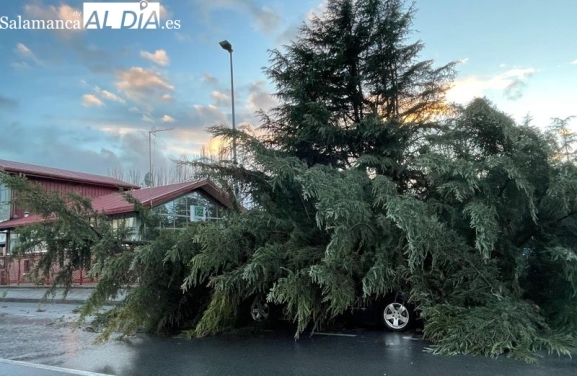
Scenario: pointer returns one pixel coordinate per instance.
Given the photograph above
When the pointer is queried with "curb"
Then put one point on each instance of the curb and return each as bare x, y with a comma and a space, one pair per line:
74, 286
44, 301
35, 294
53, 301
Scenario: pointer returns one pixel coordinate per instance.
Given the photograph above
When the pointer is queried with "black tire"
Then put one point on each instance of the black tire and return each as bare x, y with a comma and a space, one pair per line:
397, 316
259, 310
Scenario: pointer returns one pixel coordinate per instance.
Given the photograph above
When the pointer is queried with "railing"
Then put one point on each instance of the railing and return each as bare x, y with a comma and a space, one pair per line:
15, 271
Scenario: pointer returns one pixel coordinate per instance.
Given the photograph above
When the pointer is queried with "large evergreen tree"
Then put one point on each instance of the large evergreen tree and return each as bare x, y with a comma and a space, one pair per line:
380, 185
353, 95
352, 84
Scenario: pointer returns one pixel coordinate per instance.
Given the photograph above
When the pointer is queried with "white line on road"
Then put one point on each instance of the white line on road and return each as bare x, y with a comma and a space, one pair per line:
335, 334
52, 368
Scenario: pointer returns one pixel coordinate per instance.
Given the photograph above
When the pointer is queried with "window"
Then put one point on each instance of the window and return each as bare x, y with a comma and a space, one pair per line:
128, 222
123, 221
26, 266
13, 243
181, 211
4, 203
2, 244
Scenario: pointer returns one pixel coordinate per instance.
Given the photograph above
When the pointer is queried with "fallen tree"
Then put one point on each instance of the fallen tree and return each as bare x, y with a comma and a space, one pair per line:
365, 182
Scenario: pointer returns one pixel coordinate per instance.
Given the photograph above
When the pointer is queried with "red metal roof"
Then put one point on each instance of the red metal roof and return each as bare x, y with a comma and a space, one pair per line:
115, 203
56, 173
19, 222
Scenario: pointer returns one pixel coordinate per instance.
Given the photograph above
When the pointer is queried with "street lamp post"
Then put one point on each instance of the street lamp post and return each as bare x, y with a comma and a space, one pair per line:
228, 47
150, 133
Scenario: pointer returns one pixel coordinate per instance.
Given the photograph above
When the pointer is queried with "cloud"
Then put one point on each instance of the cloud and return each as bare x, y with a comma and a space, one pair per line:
512, 83
463, 61
115, 138
182, 37
166, 98
209, 115
518, 82
574, 62
167, 119
159, 57
259, 98
165, 14
221, 99
105, 94
7, 104
293, 30
79, 147
26, 53
267, 20
208, 78
290, 34
214, 146
141, 84
89, 100
318, 11
20, 65
62, 12
147, 118
94, 58
264, 19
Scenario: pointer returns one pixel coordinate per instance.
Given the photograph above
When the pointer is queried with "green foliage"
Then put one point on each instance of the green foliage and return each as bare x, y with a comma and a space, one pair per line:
507, 326
151, 278
383, 187
487, 228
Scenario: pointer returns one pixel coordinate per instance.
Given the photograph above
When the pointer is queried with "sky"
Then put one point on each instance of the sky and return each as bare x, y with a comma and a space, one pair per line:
86, 100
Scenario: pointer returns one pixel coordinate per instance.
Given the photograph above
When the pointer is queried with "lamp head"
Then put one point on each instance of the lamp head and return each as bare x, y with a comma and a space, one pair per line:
226, 45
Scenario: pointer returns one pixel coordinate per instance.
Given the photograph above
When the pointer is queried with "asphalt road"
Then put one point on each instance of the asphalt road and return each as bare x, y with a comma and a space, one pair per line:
46, 338
14, 368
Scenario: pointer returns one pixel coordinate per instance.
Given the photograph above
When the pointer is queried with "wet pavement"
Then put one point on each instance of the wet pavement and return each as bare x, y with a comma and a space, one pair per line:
14, 368
46, 336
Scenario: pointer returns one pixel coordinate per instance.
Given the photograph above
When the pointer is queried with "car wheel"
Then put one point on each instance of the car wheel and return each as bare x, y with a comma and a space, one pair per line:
397, 316
259, 310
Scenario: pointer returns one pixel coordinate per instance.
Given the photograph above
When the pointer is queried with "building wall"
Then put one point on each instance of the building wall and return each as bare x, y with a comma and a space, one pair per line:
84, 190
64, 187
17, 272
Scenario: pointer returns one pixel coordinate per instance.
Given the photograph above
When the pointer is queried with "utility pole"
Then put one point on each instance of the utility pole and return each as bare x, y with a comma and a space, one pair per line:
150, 133
225, 44
228, 47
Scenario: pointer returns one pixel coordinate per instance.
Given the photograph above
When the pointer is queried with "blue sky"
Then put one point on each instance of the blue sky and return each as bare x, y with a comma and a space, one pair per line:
86, 99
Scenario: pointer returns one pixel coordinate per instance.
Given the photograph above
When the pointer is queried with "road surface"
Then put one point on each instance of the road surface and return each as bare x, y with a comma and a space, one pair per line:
46, 336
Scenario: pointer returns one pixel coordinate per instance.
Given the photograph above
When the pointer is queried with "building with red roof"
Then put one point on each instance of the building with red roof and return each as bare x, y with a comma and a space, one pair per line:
53, 179
175, 205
